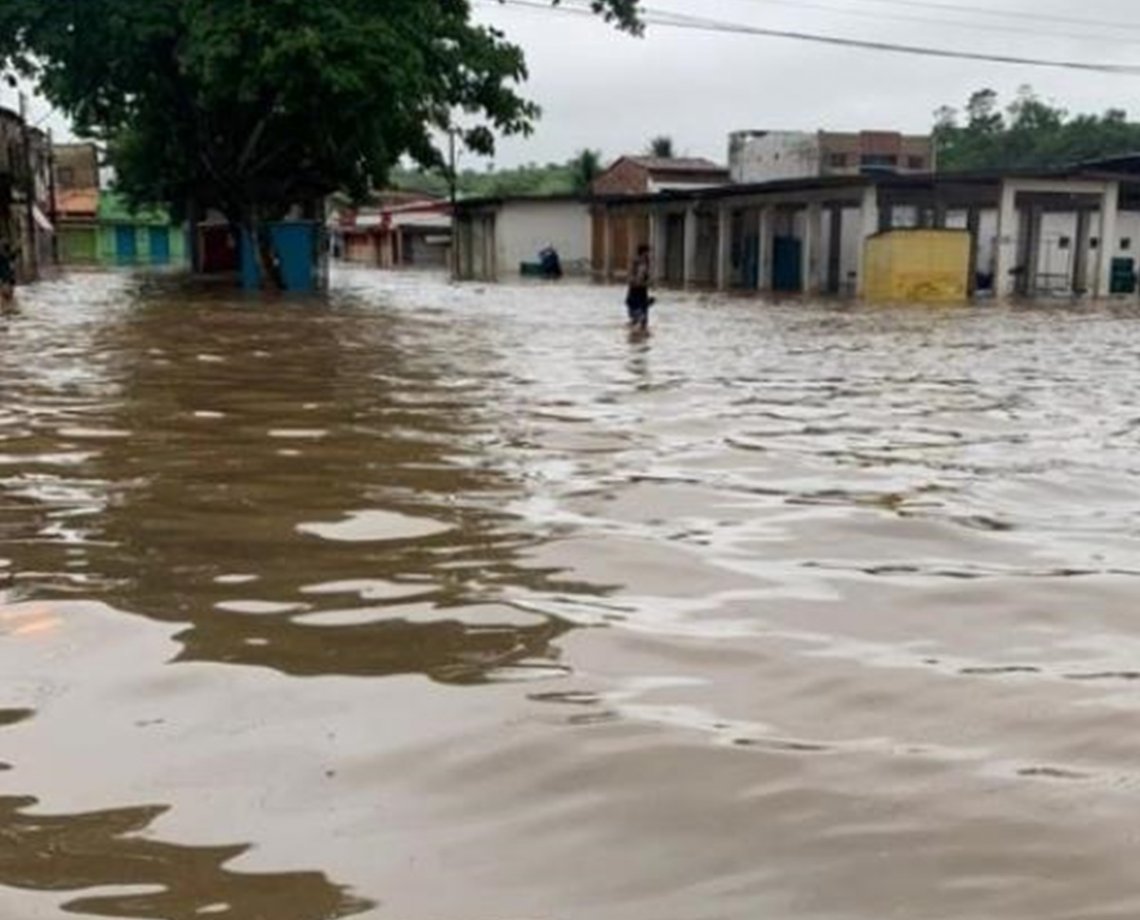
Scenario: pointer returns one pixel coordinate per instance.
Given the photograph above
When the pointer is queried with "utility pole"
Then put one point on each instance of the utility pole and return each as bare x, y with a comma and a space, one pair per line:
452, 180
29, 193
453, 183
53, 203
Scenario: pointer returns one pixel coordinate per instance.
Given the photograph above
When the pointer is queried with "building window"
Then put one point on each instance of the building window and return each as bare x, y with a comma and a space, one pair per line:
1064, 242
1094, 243
918, 163
837, 160
1126, 243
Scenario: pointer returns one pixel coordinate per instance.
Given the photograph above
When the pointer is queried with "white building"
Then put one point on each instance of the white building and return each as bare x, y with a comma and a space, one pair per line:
496, 237
768, 156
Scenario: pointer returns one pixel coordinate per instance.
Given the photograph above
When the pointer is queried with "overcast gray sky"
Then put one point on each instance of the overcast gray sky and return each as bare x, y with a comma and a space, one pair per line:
604, 90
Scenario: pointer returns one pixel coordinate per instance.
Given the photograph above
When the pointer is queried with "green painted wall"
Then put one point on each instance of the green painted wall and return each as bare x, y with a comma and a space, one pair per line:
129, 238
111, 239
79, 245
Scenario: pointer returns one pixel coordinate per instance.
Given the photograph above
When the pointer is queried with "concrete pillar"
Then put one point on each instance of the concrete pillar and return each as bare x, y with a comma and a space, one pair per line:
1034, 220
835, 250
607, 247
659, 243
1081, 251
690, 267
812, 250
492, 243
633, 240
723, 248
870, 221
1006, 241
1109, 208
974, 228
764, 249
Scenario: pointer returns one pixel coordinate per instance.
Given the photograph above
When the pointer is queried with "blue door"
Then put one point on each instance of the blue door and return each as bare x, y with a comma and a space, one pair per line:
126, 245
787, 256
159, 246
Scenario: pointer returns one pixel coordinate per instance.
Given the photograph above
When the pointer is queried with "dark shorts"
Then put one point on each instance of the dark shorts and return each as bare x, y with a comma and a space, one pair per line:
638, 302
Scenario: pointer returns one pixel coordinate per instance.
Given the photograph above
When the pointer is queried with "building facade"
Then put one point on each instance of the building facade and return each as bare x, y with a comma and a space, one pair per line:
1068, 231
768, 156
77, 203
496, 238
76, 166
25, 194
145, 236
614, 244
409, 233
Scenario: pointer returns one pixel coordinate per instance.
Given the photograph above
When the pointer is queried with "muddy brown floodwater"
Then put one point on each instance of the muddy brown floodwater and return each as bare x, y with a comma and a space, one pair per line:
440, 603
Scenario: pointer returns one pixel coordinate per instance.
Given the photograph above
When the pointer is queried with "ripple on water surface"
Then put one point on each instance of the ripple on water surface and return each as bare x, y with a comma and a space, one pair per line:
306, 606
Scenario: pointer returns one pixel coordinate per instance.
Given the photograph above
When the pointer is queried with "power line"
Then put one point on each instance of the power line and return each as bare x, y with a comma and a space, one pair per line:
668, 19
953, 23
1006, 14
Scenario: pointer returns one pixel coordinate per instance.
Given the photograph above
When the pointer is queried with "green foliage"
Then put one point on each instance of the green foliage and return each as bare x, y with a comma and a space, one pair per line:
252, 105
661, 146
1029, 133
584, 170
552, 179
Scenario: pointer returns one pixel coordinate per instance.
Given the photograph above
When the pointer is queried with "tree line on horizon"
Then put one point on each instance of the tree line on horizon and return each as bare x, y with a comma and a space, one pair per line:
572, 177
1029, 132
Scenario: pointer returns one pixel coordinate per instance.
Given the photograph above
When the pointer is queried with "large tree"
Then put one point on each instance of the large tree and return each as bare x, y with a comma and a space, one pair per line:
251, 106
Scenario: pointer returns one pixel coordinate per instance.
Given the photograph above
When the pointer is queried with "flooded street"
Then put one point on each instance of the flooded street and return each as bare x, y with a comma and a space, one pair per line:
436, 603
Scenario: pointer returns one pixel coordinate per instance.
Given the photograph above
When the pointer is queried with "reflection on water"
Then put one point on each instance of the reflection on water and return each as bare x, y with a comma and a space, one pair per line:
104, 850
462, 603
200, 442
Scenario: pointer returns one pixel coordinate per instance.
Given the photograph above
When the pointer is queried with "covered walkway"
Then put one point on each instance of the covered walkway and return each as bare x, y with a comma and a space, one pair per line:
1032, 233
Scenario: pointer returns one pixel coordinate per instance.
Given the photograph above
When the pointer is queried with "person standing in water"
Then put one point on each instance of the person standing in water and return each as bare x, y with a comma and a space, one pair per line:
7, 272
638, 301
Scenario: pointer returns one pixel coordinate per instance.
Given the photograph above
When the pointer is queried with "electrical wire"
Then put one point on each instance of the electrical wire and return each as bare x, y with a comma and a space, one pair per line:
879, 16
1007, 14
669, 19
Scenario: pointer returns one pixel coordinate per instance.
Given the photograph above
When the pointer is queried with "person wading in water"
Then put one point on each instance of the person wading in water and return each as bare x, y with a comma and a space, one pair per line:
7, 272
638, 301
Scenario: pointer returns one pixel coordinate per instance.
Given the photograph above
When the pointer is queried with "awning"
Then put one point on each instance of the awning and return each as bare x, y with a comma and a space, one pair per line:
41, 220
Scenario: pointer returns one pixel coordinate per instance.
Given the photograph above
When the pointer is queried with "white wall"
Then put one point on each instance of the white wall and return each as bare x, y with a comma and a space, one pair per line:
524, 228
772, 155
1052, 259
